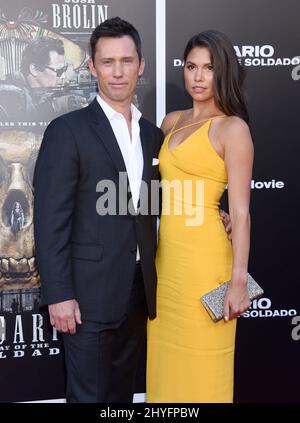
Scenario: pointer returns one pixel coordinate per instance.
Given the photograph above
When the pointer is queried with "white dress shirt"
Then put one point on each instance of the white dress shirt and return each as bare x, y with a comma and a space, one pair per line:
131, 148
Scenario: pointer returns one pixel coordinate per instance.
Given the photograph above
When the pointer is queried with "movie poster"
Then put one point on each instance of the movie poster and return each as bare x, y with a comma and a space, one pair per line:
43, 74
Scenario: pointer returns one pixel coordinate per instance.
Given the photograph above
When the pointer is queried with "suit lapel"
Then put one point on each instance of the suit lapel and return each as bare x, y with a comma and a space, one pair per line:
106, 135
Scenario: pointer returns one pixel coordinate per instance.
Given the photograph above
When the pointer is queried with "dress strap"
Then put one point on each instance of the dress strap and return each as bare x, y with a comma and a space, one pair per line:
192, 124
176, 121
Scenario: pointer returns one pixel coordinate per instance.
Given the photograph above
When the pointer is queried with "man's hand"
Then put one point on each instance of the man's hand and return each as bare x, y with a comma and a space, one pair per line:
227, 223
65, 315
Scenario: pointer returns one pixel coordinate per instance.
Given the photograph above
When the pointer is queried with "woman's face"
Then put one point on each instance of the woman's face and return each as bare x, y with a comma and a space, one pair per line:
199, 74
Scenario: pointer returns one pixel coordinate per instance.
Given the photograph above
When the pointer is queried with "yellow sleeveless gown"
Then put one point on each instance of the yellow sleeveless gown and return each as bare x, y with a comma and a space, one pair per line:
190, 358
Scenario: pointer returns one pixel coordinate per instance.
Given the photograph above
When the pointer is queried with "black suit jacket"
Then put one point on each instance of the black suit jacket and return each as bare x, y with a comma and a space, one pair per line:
81, 254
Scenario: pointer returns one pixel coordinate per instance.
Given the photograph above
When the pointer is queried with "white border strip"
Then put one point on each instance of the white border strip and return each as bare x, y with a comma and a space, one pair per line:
160, 61
136, 398
139, 398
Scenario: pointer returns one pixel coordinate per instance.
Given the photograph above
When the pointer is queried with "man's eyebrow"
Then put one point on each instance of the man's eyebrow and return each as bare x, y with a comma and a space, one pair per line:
113, 58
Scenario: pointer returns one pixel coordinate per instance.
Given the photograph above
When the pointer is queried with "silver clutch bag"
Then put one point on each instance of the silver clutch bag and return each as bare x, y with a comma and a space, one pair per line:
213, 301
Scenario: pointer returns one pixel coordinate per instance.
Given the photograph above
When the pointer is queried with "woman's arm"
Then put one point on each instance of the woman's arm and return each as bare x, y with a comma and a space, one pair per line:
238, 148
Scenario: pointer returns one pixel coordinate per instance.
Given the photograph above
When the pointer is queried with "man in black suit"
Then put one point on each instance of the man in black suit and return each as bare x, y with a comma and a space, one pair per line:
97, 269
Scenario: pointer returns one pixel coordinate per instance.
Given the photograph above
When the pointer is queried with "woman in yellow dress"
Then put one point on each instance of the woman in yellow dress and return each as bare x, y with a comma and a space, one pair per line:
206, 148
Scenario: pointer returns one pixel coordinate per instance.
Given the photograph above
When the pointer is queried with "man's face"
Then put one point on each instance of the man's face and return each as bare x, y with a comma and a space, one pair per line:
117, 68
51, 76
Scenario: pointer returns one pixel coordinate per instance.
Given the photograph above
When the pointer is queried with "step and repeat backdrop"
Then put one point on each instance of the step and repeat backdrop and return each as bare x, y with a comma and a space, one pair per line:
265, 36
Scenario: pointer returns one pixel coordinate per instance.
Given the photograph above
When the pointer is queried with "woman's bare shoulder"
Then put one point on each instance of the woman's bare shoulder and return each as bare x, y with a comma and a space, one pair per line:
233, 129
169, 121
233, 123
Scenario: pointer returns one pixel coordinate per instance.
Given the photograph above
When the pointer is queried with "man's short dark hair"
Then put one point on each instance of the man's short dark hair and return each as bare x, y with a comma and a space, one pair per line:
37, 53
115, 28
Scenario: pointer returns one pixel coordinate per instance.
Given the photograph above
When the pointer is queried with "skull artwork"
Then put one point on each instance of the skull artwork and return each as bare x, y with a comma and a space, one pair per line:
18, 152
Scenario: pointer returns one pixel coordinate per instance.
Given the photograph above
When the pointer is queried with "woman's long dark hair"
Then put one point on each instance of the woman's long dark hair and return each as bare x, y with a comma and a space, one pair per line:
228, 72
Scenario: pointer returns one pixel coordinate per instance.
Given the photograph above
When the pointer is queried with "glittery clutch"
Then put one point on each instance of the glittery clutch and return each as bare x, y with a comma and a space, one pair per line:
213, 301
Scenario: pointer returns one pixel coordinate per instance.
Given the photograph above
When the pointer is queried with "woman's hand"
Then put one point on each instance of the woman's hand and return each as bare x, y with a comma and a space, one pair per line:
236, 299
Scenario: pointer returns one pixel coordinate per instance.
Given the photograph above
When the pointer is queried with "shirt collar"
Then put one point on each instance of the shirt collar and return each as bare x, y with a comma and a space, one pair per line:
112, 113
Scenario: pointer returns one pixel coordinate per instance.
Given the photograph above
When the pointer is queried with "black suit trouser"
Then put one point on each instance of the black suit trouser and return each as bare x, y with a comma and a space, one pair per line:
102, 358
